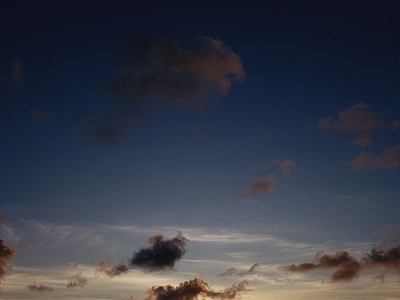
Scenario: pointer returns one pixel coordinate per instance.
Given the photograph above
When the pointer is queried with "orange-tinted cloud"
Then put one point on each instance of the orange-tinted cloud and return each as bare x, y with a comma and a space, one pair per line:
390, 159
77, 280
357, 118
6, 254
261, 187
40, 288
194, 289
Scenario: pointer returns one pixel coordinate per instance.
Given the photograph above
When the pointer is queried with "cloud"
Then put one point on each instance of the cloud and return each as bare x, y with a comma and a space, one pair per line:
194, 289
346, 267
159, 73
40, 288
160, 254
130, 297
254, 269
104, 268
285, 166
363, 140
390, 159
229, 272
261, 187
77, 280
6, 254
381, 257
17, 73
357, 118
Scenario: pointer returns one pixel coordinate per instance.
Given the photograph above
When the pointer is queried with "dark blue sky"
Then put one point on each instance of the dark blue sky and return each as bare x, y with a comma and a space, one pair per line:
278, 118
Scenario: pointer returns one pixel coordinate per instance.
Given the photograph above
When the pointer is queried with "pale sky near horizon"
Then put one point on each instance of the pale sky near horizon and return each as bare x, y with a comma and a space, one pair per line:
219, 149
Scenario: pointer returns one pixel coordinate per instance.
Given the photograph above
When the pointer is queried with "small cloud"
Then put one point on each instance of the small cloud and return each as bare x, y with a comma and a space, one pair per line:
130, 297
106, 268
229, 272
77, 280
357, 118
39, 114
194, 289
287, 165
17, 73
40, 288
261, 187
390, 159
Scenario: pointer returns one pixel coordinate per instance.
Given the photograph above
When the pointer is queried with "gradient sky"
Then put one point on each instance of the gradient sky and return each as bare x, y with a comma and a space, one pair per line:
253, 148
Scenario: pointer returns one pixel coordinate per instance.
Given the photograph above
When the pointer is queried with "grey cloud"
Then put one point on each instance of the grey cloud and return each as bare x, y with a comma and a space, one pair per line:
40, 288
77, 280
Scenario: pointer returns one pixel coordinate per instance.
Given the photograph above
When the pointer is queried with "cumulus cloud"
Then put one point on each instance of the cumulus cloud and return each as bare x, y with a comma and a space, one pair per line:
194, 289
261, 187
40, 288
357, 118
390, 159
77, 280
159, 73
382, 257
6, 254
160, 254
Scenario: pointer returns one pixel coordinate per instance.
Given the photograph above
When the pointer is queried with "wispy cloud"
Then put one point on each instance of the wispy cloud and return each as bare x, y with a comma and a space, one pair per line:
158, 73
286, 166
390, 159
254, 269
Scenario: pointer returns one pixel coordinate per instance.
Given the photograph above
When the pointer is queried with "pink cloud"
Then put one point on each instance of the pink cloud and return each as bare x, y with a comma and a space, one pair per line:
390, 159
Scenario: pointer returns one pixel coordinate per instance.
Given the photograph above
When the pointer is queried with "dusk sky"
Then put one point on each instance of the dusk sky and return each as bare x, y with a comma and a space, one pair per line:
181, 150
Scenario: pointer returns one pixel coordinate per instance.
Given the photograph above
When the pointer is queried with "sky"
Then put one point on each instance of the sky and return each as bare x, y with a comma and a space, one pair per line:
167, 150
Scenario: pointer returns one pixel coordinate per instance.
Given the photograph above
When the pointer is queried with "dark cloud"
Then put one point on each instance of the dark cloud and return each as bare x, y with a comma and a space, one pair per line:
106, 268
390, 159
160, 254
6, 254
195, 289
40, 288
77, 280
386, 258
346, 267
159, 73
